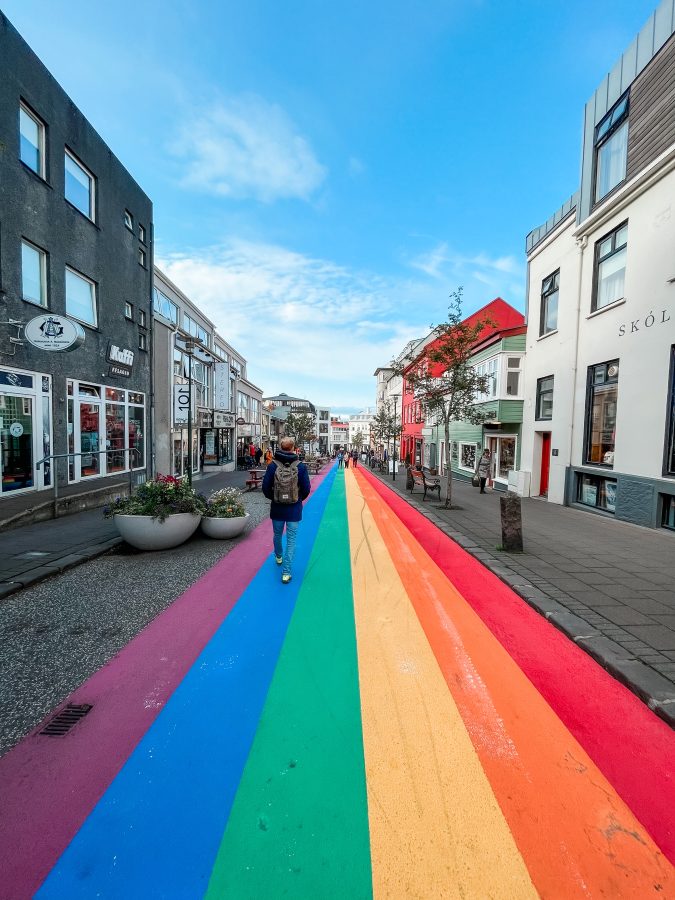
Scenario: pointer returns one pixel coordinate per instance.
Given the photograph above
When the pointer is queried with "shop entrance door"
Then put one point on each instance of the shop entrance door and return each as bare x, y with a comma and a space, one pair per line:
545, 463
503, 453
17, 455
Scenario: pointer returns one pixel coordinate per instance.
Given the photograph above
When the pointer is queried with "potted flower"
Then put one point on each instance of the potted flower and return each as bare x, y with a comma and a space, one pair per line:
225, 515
159, 514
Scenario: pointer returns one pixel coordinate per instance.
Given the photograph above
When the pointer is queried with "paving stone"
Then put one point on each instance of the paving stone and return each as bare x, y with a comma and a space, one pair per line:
573, 626
656, 636
603, 649
625, 615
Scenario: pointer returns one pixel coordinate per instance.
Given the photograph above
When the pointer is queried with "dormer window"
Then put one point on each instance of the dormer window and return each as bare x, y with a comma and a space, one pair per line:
611, 149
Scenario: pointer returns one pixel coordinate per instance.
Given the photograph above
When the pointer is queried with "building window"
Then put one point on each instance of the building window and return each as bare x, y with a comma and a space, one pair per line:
141, 233
164, 306
79, 186
128, 311
490, 370
33, 274
668, 519
513, 376
550, 286
467, 457
669, 466
610, 267
142, 319
597, 492
142, 340
544, 408
611, 149
603, 390
141, 256
31, 141
80, 297
128, 220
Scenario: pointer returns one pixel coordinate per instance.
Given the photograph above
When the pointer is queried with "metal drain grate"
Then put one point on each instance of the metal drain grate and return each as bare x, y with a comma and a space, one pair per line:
63, 721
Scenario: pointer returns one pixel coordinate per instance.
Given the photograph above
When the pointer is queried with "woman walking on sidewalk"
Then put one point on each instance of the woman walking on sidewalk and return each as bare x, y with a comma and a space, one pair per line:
483, 469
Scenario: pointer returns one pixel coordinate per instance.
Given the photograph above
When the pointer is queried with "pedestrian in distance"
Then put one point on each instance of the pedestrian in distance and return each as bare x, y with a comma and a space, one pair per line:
269, 456
347, 458
258, 455
355, 457
483, 469
340, 459
286, 484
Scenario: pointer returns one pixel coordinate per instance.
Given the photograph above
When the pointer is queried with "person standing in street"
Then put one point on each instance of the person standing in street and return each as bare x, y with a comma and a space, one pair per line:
347, 458
355, 457
286, 484
258, 455
340, 459
483, 469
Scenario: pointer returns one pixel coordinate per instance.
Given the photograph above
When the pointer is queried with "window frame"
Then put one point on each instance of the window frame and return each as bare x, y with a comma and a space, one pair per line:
142, 341
44, 302
142, 258
92, 182
590, 393
538, 397
601, 140
128, 220
554, 278
669, 443
42, 140
94, 294
128, 311
597, 261
142, 233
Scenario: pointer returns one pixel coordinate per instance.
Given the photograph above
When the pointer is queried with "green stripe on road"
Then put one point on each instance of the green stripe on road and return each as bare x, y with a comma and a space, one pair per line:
299, 824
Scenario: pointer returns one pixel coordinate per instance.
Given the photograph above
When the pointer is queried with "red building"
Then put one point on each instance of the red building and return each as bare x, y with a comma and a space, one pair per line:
503, 317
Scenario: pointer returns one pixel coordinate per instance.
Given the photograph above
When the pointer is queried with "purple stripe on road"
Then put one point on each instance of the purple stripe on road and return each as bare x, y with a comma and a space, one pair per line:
50, 785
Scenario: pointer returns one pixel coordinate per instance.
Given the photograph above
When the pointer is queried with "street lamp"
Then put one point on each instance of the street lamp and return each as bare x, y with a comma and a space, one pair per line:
393, 475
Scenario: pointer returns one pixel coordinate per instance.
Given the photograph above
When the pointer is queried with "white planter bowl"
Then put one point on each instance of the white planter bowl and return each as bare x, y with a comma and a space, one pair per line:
146, 533
223, 529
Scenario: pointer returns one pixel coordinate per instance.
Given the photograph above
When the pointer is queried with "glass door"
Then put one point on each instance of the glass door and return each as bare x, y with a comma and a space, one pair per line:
16, 440
90, 428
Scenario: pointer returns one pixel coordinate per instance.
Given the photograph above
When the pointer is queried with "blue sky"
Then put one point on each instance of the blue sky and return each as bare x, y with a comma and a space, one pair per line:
324, 175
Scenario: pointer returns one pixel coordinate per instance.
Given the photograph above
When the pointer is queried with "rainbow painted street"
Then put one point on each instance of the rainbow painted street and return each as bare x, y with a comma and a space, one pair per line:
395, 722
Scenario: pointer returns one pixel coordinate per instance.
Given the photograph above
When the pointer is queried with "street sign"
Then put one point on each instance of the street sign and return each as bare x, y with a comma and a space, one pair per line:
54, 333
181, 403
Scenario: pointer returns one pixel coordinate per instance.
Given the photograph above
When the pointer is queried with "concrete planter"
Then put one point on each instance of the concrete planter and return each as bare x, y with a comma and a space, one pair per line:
224, 529
146, 533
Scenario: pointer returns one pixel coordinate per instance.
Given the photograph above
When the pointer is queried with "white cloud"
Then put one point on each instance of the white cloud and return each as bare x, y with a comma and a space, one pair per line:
440, 262
306, 326
247, 147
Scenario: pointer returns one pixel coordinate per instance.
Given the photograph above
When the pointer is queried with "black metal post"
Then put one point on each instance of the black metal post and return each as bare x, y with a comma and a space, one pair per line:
393, 468
189, 470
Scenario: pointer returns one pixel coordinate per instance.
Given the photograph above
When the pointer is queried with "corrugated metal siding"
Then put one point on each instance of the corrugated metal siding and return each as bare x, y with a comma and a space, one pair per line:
651, 128
510, 411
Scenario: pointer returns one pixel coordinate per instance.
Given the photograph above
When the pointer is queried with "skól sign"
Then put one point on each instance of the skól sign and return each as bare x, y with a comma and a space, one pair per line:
54, 333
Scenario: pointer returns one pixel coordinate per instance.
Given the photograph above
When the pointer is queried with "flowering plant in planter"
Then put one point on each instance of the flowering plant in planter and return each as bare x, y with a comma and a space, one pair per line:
162, 497
227, 503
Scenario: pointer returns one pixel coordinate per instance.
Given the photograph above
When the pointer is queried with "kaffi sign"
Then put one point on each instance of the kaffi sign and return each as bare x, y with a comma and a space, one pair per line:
54, 333
181, 403
121, 361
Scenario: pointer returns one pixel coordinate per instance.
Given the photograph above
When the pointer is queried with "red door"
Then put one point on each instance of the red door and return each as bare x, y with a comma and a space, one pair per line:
545, 463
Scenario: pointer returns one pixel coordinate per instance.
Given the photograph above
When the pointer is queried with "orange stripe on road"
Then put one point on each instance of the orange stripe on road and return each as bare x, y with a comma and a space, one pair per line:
577, 836
436, 829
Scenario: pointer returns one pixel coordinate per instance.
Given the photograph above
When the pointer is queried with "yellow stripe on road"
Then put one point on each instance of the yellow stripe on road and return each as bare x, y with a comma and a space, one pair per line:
436, 829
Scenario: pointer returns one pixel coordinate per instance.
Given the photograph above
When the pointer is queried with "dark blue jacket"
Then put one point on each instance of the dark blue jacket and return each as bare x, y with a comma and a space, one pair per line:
286, 512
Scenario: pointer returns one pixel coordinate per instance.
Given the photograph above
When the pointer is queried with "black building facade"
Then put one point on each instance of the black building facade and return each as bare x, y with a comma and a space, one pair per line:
76, 263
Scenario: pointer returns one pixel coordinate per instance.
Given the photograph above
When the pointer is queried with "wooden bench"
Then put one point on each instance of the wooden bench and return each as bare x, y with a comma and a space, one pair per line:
427, 483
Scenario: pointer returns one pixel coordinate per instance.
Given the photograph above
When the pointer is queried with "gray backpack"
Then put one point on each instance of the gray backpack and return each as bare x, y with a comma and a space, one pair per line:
286, 482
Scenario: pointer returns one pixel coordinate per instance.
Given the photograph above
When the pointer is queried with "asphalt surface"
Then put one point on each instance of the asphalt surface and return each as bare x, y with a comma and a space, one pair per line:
58, 632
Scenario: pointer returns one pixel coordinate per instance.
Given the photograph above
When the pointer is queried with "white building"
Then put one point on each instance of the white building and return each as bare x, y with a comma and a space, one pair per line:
599, 420
361, 422
339, 433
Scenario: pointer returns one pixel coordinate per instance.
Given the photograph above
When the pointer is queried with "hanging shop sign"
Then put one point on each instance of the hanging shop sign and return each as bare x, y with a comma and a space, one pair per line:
221, 385
241, 421
181, 403
54, 333
223, 420
204, 418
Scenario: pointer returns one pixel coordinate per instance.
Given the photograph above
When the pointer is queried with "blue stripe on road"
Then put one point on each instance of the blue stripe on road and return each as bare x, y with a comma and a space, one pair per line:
156, 831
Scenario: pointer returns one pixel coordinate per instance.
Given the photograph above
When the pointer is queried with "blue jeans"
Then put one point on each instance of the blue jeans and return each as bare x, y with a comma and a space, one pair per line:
291, 534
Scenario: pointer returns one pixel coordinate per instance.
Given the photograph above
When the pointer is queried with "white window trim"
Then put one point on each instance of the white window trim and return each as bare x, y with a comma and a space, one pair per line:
44, 303
504, 375
92, 191
42, 173
459, 455
130, 223
95, 299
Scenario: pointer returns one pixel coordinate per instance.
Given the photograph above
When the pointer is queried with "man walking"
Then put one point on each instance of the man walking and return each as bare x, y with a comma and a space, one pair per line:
286, 484
355, 457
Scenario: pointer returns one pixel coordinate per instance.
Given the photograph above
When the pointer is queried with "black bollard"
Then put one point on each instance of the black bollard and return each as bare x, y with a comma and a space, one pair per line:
512, 523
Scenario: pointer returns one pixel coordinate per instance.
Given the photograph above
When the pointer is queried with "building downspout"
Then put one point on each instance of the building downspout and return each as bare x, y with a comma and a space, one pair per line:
582, 243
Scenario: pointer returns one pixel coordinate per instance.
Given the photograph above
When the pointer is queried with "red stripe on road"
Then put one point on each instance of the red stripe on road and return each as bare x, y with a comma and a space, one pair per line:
633, 748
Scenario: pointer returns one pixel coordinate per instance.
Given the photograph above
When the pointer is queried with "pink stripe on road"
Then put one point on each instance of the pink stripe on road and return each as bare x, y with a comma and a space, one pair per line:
50, 785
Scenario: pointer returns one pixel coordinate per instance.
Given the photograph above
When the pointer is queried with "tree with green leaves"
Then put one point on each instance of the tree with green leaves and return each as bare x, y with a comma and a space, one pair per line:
300, 426
442, 378
358, 440
386, 426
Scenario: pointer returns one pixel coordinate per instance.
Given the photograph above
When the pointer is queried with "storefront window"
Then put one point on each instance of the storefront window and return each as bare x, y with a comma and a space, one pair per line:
603, 389
597, 492
16, 439
46, 441
467, 456
90, 426
669, 468
136, 435
668, 520
506, 457
114, 436
71, 435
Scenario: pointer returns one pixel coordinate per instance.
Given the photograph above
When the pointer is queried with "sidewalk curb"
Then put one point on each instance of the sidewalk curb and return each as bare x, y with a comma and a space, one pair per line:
69, 561
657, 692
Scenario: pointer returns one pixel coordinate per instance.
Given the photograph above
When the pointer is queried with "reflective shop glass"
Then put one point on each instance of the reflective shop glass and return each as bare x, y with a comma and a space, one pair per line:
79, 187
31, 139
114, 436
137, 436
611, 267
603, 392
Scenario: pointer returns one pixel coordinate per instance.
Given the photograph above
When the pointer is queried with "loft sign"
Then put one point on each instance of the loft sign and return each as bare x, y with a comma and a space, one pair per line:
659, 318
